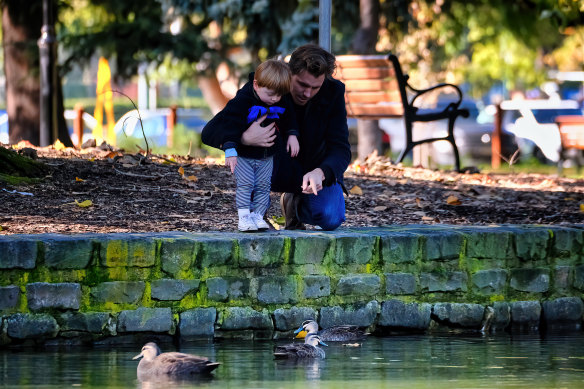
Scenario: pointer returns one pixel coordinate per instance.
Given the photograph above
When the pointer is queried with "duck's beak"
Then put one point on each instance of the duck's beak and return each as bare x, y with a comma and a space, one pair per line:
300, 334
139, 355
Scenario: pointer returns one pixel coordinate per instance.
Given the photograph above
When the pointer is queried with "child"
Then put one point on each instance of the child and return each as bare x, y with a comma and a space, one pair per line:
252, 165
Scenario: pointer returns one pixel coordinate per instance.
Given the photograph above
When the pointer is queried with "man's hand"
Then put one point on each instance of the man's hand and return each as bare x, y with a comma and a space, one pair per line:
312, 181
231, 162
257, 135
292, 146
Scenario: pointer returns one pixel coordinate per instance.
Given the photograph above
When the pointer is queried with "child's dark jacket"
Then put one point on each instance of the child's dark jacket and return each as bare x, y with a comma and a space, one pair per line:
228, 125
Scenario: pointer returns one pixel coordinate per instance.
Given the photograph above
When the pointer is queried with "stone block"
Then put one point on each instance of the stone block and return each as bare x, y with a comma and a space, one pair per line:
563, 312
42, 295
9, 297
118, 292
261, 251
525, 315
224, 288
459, 315
443, 245
94, 322
362, 315
65, 252
488, 243
562, 278
18, 254
31, 326
316, 286
579, 277
531, 244
127, 251
351, 248
400, 283
502, 316
530, 280
444, 282
177, 255
215, 251
359, 285
310, 249
400, 247
197, 323
566, 241
146, 320
277, 290
173, 290
490, 282
400, 315
238, 318
291, 319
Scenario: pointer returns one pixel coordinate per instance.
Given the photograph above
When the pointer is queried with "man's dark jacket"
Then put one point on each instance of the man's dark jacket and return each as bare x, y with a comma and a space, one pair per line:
324, 141
225, 129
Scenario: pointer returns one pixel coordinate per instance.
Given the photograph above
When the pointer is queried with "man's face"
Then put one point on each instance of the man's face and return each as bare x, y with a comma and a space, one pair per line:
304, 86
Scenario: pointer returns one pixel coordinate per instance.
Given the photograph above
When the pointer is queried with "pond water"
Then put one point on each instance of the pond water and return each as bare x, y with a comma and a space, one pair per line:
411, 362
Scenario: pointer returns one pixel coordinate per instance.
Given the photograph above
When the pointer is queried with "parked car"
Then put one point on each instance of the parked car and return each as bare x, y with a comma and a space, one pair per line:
472, 136
533, 124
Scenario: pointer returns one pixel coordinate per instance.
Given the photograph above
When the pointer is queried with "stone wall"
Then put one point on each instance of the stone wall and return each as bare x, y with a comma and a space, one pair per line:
126, 287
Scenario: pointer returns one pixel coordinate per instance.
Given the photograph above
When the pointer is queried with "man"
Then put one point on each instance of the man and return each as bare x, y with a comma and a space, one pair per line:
312, 182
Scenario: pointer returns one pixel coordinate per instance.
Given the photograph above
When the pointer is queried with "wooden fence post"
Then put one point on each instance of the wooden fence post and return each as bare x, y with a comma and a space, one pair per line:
170, 123
496, 139
78, 124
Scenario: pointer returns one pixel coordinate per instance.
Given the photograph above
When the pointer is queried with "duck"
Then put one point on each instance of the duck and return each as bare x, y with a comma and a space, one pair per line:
172, 365
340, 333
308, 349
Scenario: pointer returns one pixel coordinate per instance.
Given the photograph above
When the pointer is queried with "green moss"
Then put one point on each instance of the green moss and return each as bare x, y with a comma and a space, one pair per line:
287, 250
147, 295
496, 297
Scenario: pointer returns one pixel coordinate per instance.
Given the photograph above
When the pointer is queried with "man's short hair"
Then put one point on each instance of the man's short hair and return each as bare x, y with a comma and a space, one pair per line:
274, 75
313, 58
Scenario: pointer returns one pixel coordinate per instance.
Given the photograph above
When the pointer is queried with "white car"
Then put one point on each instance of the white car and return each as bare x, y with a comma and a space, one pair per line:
534, 125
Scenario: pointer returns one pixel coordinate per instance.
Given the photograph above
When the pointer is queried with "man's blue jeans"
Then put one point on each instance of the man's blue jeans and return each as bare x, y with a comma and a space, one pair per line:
326, 210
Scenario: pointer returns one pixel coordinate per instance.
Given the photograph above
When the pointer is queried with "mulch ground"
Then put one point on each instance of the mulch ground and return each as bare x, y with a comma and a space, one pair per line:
101, 191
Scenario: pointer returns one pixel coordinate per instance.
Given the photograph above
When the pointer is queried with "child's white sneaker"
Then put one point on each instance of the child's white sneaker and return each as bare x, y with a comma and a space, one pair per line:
246, 223
259, 221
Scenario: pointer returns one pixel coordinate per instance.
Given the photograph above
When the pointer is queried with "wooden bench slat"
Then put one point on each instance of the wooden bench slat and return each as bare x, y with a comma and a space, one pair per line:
370, 85
372, 97
375, 110
352, 61
361, 73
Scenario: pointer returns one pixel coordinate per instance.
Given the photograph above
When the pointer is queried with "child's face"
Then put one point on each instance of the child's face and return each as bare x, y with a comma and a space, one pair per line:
266, 95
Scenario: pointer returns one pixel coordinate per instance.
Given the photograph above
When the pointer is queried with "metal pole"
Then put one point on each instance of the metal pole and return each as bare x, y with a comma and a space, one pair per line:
48, 97
324, 24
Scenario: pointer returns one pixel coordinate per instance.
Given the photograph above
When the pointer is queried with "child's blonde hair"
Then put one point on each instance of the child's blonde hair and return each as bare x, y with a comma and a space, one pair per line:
275, 75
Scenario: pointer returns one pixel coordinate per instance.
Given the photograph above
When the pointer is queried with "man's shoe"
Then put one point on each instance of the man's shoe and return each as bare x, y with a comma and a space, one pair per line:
289, 204
259, 221
246, 224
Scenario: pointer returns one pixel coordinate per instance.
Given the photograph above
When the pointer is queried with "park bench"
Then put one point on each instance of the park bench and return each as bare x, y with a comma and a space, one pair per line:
572, 136
376, 88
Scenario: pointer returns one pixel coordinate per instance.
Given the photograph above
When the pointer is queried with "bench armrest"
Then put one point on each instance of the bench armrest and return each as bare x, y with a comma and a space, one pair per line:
420, 92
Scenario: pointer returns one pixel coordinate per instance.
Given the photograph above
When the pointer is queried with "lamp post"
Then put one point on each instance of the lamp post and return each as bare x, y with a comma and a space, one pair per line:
324, 24
48, 70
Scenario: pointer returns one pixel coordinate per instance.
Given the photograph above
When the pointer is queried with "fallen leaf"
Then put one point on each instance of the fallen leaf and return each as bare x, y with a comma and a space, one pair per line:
84, 204
419, 203
280, 220
581, 207
380, 208
356, 190
181, 171
453, 200
2, 228
58, 145
79, 179
191, 178
427, 218
569, 199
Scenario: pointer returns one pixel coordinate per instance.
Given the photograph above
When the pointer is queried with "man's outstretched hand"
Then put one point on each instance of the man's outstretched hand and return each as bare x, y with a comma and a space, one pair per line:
312, 181
259, 136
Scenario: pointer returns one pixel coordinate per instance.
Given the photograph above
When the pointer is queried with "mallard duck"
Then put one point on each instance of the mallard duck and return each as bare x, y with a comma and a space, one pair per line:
156, 365
333, 334
308, 349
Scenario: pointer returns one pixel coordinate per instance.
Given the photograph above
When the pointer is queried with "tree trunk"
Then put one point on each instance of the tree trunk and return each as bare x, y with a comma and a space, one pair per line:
21, 29
368, 131
211, 90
